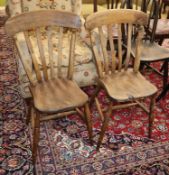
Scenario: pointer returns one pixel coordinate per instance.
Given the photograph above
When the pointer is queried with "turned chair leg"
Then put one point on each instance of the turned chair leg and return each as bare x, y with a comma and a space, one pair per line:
104, 126
163, 93
28, 115
36, 134
98, 88
89, 122
99, 109
151, 116
165, 74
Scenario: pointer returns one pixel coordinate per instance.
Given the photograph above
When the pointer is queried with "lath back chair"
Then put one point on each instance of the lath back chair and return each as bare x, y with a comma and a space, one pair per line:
121, 82
155, 31
152, 51
52, 93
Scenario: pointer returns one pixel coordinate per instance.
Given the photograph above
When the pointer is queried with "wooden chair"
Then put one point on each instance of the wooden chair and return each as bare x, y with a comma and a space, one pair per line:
52, 93
152, 51
124, 85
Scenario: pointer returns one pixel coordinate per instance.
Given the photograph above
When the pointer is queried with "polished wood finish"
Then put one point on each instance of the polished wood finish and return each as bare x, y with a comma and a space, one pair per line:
52, 93
122, 81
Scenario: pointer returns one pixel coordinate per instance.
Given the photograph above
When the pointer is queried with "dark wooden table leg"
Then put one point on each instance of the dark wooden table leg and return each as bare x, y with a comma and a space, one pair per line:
165, 74
163, 93
165, 81
95, 5
108, 4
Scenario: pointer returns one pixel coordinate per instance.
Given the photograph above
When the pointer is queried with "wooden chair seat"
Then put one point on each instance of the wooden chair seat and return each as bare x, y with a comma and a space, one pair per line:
152, 52
126, 85
61, 95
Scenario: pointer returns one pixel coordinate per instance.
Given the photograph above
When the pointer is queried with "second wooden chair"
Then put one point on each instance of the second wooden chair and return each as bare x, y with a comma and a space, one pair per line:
123, 84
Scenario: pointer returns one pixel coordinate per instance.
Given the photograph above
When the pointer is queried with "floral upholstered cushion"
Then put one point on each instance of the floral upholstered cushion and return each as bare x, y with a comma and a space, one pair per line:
14, 7
77, 6
66, 5
32, 5
19, 6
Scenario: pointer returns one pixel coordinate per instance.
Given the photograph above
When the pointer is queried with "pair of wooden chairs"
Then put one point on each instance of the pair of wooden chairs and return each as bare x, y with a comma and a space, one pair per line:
54, 94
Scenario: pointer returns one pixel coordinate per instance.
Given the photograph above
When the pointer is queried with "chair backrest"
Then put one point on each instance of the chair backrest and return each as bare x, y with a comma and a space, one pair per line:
106, 61
40, 23
152, 8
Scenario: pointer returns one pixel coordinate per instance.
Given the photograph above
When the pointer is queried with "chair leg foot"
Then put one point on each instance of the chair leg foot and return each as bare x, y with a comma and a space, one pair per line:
104, 126
103, 130
34, 169
36, 133
151, 116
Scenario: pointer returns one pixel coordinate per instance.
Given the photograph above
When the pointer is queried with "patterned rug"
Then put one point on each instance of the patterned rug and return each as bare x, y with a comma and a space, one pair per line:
64, 147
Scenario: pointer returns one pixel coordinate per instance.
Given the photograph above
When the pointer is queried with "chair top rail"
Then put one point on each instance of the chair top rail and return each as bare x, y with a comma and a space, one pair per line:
116, 16
40, 18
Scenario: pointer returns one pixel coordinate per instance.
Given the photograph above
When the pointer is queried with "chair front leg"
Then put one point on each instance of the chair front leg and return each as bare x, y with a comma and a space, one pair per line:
165, 74
88, 122
99, 109
36, 133
98, 88
28, 114
104, 125
151, 116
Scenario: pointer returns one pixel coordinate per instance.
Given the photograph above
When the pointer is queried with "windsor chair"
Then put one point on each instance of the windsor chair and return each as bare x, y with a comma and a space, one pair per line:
52, 93
123, 84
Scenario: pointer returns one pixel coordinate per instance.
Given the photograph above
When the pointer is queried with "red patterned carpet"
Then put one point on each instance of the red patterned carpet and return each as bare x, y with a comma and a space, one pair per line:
64, 147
